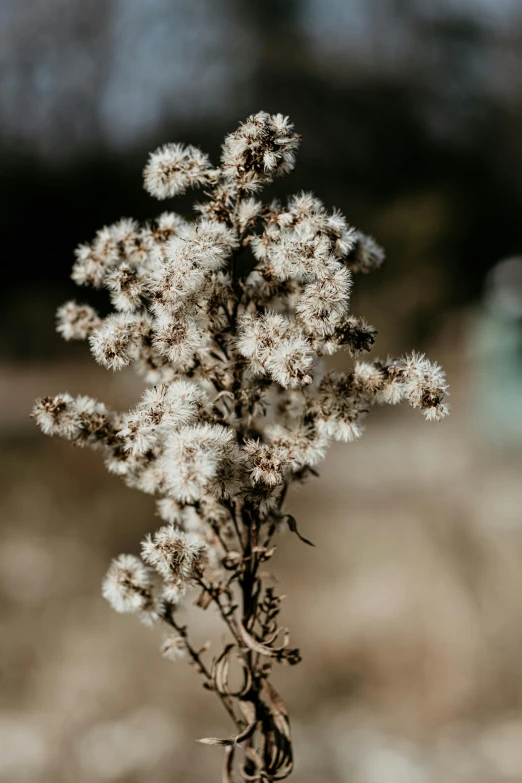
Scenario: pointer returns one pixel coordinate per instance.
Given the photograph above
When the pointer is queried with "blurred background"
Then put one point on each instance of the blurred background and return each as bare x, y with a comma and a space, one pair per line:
409, 610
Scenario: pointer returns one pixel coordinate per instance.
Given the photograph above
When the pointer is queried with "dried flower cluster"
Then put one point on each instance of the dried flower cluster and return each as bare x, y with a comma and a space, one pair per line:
228, 317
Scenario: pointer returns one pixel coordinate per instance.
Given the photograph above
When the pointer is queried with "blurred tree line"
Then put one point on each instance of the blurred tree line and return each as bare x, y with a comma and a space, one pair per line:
410, 120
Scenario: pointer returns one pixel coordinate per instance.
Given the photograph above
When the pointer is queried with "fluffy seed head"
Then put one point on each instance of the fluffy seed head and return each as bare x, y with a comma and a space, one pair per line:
173, 648
173, 168
76, 322
57, 416
174, 554
264, 146
127, 585
267, 462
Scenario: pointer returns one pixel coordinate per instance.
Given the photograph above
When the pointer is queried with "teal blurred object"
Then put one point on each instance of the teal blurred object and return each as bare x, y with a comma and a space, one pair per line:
496, 356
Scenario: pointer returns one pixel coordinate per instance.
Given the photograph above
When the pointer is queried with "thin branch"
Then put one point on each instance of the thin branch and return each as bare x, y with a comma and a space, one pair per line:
199, 664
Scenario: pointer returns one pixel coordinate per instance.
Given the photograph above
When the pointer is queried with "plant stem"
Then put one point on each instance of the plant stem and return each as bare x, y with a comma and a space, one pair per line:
200, 666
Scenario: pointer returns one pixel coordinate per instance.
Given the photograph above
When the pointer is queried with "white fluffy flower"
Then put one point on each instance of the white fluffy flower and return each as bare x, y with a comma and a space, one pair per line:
290, 362
307, 210
167, 225
210, 243
170, 510
340, 407
274, 347
300, 252
177, 337
249, 209
129, 242
189, 256
81, 419
89, 268
112, 343
127, 585
174, 554
304, 443
58, 416
324, 301
267, 462
125, 286
342, 429
424, 385
264, 146
123, 242
76, 322
258, 336
365, 255
161, 410
173, 648
173, 168
192, 458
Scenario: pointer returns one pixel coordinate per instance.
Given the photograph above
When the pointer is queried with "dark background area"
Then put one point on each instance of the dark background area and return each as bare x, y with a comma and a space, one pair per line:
410, 113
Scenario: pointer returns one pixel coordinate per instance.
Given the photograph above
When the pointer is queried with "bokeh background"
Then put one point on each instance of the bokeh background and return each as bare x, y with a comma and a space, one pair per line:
409, 609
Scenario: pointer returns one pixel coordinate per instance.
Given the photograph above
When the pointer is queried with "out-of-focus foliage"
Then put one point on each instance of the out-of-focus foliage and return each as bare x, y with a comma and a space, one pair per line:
410, 111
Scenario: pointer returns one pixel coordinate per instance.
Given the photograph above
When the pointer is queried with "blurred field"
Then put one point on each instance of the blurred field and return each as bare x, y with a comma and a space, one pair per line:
408, 611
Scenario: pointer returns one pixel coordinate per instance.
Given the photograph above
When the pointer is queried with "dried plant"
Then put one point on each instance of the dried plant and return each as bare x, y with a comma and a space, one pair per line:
228, 317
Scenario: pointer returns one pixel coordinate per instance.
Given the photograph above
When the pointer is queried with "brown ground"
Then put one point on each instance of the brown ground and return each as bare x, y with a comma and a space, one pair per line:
408, 611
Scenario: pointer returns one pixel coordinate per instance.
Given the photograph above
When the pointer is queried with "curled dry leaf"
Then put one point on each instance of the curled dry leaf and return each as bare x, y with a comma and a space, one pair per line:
278, 740
221, 671
229, 741
258, 647
221, 743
